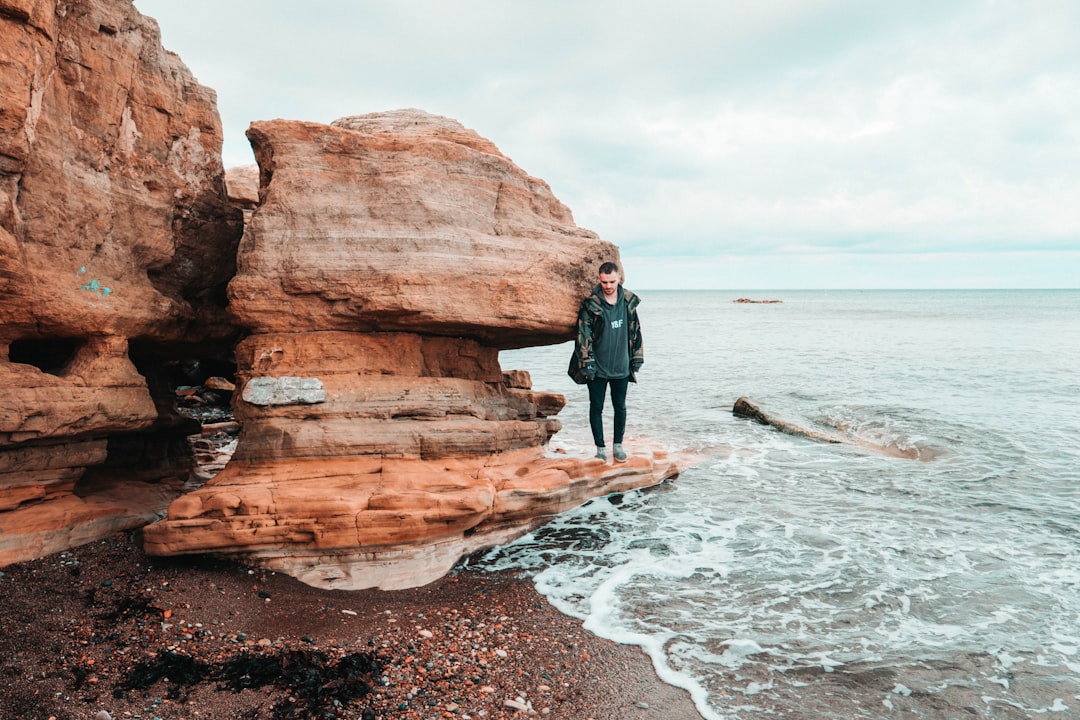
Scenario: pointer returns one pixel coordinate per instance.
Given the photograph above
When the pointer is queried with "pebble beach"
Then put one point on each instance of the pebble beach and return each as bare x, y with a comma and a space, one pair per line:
103, 631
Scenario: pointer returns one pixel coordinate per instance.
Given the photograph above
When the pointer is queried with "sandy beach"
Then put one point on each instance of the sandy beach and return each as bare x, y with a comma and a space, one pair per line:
103, 631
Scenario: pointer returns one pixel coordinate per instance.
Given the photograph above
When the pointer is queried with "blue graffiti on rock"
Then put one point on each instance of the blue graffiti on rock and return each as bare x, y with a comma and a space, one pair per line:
94, 285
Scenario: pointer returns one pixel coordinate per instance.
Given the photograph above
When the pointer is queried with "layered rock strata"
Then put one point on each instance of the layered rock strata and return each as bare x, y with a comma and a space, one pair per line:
390, 258
116, 245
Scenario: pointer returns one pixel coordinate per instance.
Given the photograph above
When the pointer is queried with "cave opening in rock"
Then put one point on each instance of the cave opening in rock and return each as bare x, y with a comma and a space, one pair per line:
202, 387
51, 355
192, 388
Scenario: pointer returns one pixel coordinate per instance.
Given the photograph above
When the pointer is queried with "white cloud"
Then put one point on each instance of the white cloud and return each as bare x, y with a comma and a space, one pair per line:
791, 132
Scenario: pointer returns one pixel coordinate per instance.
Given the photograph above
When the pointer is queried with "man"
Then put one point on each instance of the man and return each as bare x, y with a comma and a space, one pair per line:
608, 353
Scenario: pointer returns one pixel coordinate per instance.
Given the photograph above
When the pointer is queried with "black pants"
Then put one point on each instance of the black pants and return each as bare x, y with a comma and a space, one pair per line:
597, 391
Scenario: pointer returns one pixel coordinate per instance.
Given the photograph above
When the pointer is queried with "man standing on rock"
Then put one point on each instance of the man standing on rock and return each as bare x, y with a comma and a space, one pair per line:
608, 353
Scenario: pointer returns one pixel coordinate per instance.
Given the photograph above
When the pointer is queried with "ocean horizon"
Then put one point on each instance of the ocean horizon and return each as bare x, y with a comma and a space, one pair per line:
744, 291
778, 576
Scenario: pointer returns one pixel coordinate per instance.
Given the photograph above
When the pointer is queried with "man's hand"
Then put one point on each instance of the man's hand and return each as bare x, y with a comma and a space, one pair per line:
636, 365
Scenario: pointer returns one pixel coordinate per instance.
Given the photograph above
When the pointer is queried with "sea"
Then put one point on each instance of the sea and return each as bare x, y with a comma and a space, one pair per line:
927, 566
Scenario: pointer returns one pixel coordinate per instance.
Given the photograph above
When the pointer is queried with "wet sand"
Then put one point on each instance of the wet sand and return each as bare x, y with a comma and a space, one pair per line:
105, 629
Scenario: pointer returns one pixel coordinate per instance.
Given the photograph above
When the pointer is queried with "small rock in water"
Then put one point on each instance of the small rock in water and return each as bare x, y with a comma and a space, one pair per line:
642, 705
103, 715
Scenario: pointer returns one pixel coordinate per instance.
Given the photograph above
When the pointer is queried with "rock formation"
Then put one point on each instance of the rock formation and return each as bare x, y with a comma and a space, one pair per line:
116, 245
385, 261
389, 260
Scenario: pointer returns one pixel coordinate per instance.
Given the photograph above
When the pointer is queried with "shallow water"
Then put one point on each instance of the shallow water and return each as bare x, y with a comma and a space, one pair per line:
784, 577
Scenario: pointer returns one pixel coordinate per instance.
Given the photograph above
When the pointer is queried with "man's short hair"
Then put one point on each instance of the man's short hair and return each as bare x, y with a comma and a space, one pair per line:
608, 268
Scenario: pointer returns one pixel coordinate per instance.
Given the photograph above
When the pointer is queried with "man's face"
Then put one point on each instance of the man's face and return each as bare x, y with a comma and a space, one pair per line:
609, 283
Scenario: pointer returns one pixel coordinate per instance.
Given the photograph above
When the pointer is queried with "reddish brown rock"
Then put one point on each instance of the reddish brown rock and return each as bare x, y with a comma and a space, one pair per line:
408, 222
116, 243
242, 183
390, 259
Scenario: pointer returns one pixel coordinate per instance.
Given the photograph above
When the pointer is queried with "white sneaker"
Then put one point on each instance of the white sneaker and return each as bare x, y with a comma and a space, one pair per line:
620, 454
601, 453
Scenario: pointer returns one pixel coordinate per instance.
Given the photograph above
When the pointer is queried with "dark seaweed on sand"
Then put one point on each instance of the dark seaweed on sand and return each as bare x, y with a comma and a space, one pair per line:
318, 686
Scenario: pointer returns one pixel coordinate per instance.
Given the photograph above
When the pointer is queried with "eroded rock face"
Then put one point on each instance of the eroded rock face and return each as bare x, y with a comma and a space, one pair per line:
116, 241
390, 259
406, 221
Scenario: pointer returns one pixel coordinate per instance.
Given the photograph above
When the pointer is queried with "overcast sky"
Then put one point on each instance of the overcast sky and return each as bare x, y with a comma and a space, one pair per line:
724, 144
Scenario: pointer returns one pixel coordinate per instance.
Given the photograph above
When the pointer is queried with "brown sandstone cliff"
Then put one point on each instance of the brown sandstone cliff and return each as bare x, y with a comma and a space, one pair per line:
385, 262
116, 244
390, 258
405, 221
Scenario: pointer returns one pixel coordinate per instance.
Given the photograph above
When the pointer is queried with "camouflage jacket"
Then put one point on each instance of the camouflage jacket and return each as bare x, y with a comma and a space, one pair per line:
589, 323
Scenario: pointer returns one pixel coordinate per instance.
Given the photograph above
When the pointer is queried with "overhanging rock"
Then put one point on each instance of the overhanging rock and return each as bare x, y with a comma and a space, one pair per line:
390, 259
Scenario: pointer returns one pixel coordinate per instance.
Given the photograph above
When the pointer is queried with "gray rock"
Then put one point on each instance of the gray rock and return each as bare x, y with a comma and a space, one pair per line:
286, 390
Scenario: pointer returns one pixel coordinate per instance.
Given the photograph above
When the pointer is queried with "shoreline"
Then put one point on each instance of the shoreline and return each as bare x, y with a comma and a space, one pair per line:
85, 630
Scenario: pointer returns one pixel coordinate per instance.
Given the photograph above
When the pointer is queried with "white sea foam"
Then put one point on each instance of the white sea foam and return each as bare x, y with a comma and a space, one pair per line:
816, 579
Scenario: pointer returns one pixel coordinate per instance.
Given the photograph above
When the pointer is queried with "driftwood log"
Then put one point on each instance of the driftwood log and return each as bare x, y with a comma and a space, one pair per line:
745, 408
